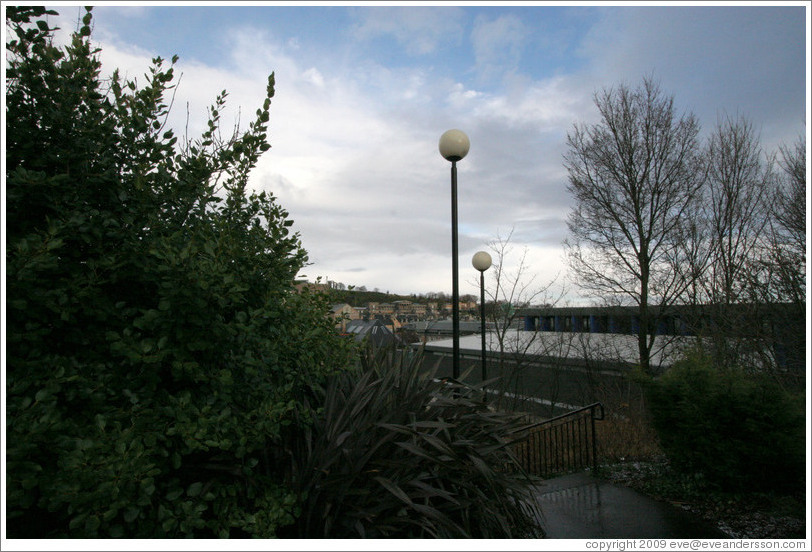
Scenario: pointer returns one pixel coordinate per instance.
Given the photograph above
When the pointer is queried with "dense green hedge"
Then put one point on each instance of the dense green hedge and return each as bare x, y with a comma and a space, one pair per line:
738, 431
156, 348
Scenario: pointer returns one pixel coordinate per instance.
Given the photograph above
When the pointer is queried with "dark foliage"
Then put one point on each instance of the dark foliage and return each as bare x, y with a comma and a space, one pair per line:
738, 431
397, 453
156, 349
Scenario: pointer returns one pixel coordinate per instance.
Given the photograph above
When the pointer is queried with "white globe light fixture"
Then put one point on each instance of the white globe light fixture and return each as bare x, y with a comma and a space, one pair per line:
454, 145
481, 261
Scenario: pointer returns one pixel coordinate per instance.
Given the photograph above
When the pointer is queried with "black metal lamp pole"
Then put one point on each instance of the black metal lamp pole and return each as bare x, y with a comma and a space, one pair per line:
482, 320
455, 275
454, 145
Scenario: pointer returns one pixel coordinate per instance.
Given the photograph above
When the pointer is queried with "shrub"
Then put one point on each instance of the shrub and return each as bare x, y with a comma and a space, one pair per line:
738, 431
156, 349
396, 453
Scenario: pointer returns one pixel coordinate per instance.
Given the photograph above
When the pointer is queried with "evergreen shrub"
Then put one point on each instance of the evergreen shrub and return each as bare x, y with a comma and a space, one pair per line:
738, 431
157, 350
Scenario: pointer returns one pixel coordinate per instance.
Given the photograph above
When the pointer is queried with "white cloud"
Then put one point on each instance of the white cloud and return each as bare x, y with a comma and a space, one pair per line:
354, 143
419, 32
314, 76
497, 45
549, 104
461, 96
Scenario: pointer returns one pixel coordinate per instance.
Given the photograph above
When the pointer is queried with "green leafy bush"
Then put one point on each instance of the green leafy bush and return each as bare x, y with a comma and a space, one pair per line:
397, 453
157, 353
738, 431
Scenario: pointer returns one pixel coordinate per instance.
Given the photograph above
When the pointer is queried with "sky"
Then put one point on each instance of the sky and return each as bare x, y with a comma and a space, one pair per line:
364, 92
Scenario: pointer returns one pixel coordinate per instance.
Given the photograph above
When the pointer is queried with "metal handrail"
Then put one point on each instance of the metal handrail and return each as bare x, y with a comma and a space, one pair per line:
592, 406
557, 445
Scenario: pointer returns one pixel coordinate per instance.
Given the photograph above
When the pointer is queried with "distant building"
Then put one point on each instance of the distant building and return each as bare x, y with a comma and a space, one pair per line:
342, 312
406, 311
373, 331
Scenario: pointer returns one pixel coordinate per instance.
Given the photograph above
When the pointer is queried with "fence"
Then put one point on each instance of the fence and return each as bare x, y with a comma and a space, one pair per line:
562, 444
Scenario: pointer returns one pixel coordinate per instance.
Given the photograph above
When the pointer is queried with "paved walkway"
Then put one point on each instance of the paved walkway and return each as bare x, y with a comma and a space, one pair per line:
579, 506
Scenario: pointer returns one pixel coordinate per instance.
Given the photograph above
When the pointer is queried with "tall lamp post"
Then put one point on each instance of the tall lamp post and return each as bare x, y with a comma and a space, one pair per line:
482, 262
454, 145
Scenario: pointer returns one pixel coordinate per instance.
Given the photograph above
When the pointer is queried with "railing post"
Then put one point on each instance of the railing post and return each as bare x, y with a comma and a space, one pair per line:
594, 441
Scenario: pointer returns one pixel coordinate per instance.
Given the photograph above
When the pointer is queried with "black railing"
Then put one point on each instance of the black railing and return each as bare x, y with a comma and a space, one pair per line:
562, 444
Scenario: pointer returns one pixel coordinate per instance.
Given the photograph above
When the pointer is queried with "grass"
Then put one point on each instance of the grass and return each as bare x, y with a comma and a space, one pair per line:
625, 434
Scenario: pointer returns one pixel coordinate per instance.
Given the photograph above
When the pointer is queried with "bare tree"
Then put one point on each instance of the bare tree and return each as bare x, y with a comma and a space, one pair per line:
736, 209
511, 286
633, 175
735, 214
789, 225
777, 278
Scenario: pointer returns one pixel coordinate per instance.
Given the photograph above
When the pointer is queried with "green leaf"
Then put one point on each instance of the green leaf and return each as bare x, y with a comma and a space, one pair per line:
92, 524
394, 489
131, 513
194, 489
76, 521
341, 438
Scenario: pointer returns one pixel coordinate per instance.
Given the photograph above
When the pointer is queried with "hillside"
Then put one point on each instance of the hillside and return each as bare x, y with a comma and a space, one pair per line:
361, 298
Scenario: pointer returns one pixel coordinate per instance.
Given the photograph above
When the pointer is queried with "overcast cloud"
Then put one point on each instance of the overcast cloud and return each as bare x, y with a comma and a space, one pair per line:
364, 93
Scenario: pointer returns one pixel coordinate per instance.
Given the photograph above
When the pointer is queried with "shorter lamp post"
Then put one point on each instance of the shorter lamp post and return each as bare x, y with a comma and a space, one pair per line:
482, 262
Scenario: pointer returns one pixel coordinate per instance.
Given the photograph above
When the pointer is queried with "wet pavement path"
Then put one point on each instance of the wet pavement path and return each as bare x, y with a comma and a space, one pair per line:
579, 506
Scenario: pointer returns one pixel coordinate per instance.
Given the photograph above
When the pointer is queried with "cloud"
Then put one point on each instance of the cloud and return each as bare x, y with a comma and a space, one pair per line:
546, 105
314, 76
354, 159
712, 59
130, 11
497, 45
354, 129
419, 32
